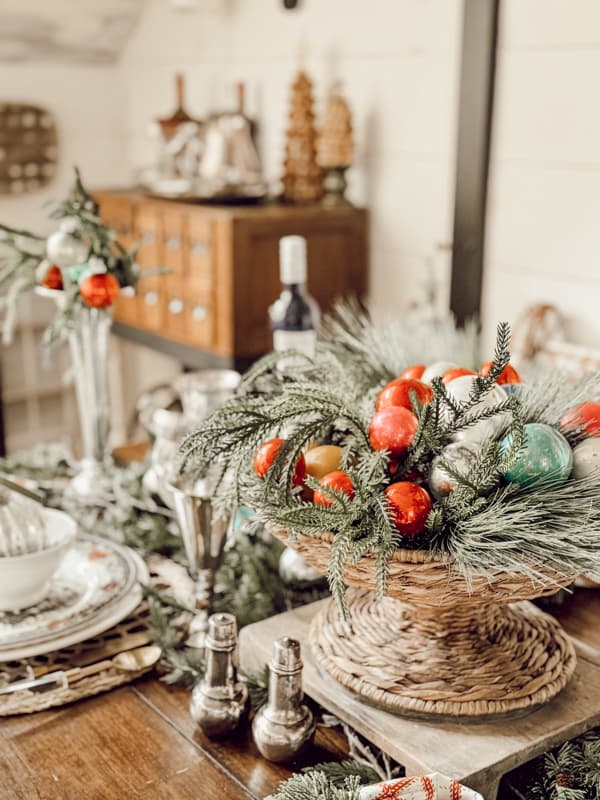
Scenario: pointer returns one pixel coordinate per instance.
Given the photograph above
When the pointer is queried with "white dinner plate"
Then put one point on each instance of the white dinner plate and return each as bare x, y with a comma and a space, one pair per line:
96, 586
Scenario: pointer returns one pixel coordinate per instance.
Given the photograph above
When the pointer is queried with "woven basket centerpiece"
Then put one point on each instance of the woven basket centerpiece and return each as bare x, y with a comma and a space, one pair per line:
436, 499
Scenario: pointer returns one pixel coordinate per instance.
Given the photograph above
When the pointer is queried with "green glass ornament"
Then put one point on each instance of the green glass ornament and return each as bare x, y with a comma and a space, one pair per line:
546, 456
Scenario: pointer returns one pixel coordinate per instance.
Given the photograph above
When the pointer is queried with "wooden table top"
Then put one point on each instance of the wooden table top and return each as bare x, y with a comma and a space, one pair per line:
139, 741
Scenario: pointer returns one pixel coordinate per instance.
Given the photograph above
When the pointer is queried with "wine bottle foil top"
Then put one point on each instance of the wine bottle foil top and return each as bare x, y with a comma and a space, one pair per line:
286, 656
222, 632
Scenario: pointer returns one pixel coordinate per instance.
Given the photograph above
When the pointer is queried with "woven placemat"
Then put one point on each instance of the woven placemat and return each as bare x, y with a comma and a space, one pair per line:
134, 631
477, 663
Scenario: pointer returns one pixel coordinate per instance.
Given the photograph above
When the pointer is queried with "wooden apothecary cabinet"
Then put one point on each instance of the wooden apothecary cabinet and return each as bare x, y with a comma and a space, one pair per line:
222, 261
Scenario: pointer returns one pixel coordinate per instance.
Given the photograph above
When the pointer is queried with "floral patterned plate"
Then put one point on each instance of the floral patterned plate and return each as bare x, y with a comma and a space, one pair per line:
96, 586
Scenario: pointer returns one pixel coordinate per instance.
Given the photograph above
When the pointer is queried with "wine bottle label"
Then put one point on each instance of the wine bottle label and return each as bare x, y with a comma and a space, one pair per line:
304, 342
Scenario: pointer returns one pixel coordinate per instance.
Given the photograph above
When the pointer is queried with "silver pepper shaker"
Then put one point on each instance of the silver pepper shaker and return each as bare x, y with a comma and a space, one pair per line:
284, 724
219, 700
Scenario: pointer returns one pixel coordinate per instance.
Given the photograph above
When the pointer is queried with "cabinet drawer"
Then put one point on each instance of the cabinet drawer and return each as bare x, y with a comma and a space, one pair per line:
200, 321
148, 231
200, 253
149, 307
174, 236
126, 307
117, 212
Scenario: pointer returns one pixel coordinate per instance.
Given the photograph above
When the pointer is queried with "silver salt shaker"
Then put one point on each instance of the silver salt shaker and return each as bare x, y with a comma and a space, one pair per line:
284, 724
219, 701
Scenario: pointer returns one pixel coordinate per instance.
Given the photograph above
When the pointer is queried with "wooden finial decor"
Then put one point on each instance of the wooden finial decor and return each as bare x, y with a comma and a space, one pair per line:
303, 178
335, 149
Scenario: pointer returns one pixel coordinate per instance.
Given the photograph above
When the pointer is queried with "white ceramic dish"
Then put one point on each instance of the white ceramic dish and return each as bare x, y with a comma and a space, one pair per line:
96, 587
25, 579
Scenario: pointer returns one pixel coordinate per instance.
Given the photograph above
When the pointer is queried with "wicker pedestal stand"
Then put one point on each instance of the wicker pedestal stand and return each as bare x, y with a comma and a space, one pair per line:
435, 647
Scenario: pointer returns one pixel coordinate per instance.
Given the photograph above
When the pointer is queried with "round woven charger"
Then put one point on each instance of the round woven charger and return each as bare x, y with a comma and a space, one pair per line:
477, 663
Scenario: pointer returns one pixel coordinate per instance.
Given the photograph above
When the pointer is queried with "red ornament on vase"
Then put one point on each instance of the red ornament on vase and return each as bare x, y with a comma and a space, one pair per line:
338, 480
393, 429
508, 375
53, 278
584, 417
410, 506
266, 455
100, 291
398, 392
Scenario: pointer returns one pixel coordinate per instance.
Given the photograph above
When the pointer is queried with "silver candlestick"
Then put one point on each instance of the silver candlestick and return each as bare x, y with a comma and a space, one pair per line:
284, 724
204, 537
219, 701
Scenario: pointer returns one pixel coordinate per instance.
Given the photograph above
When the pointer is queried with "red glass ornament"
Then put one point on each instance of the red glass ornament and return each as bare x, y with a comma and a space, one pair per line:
393, 429
508, 375
458, 372
266, 455
397, 393
416, 371
585, 416
53, 278
410, 505
100, 291
338, 480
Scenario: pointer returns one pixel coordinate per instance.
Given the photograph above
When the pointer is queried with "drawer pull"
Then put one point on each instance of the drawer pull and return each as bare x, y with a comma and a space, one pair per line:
176, 306
199, 313
151, 298
199, 249
173, 243
148, 238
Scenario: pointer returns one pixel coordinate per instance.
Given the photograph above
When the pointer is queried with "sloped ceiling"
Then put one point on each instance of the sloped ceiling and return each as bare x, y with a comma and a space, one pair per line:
66, 31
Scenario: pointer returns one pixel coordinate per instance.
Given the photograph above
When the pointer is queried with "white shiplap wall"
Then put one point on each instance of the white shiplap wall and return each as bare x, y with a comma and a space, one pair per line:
398, 61
543, 236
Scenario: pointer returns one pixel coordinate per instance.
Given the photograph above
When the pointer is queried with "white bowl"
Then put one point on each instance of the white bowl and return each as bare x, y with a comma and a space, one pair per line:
24, 580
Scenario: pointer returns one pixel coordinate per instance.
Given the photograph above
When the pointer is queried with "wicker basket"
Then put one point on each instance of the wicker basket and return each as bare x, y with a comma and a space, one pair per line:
437, 645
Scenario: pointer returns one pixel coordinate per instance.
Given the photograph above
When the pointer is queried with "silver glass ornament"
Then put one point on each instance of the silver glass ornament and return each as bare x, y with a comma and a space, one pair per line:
284, 724
204, 391
460, 456
219, 701
65, 250
586, 458
204, 535
294, 570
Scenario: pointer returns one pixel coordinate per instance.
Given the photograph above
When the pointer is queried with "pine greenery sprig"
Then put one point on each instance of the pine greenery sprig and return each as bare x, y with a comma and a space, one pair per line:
317, 786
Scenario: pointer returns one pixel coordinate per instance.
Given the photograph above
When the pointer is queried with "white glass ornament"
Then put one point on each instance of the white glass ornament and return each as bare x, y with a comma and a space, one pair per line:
460, 389
460, 456
65, 250
586, 458
437, 370
22, 525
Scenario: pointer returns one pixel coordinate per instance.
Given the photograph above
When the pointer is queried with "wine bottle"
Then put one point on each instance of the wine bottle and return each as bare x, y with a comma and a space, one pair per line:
295, 314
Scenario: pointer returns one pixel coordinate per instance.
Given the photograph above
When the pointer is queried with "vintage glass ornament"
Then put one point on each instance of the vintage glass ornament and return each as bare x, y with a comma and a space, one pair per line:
266, 455
340, 481
584, 417
437, 369
410, 505
322, 460
453, 374
460, 456
415, 371
460, 390
546, 456
586, 458
100, 291
398, 393
508, 375
53, 278
392, 429
284, 724
65, 250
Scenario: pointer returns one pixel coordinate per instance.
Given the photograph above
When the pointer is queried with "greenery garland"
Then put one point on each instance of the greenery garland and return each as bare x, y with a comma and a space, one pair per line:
485, 525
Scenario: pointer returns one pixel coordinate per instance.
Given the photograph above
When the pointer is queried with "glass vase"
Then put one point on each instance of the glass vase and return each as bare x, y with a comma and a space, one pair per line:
88, 344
